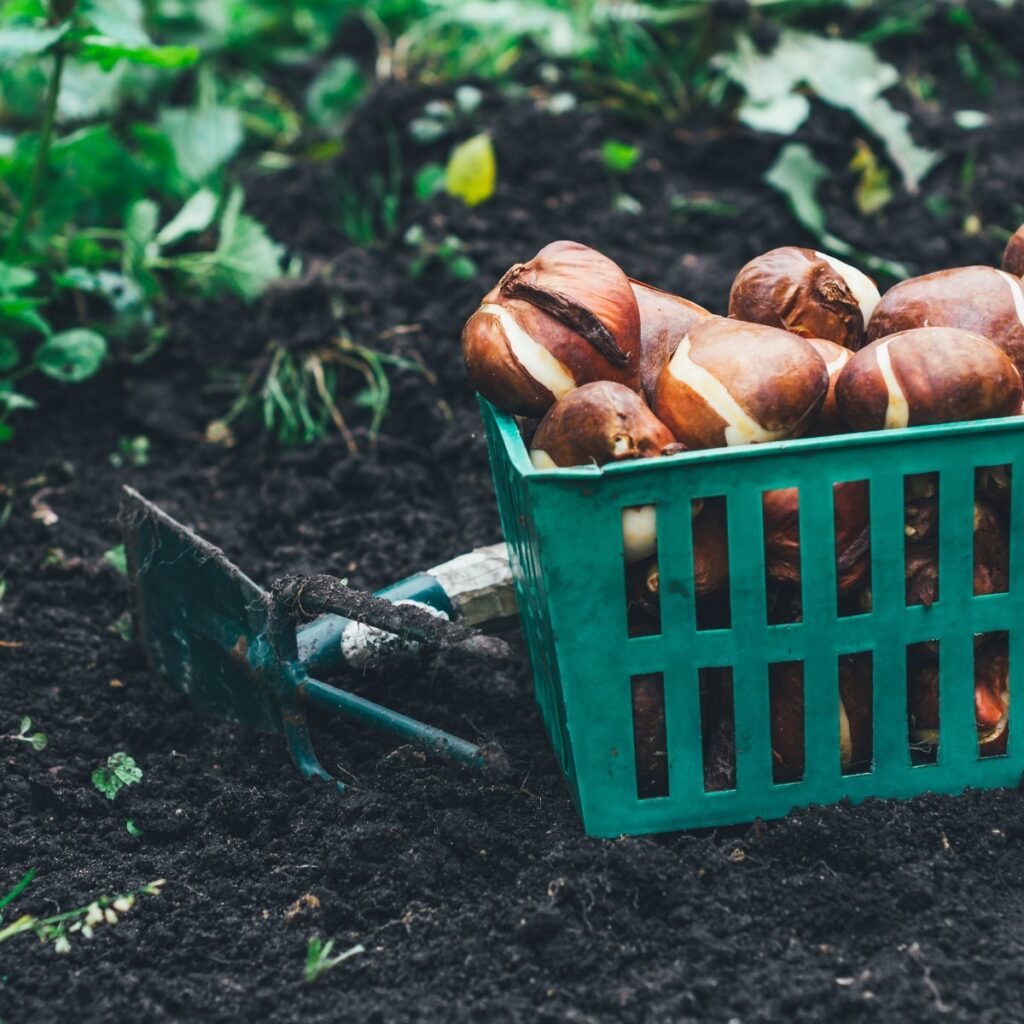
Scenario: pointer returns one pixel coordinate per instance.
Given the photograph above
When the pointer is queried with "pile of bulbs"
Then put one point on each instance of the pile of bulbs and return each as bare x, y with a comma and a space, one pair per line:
616, 369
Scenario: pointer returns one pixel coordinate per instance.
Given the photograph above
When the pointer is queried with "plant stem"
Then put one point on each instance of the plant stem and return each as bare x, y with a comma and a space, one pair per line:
28, 204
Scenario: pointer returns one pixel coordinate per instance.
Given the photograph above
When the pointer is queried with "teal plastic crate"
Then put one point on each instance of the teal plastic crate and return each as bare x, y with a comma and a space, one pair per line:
563, 529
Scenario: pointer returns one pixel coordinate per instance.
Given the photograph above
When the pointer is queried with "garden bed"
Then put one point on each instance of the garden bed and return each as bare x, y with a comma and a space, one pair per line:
474, 898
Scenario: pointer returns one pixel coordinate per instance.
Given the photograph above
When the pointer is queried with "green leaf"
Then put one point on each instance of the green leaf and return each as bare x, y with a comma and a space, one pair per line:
12, 401
797, 174
122, 20
132, 829
71, 356
203, 138
9, 354
15, 279
122, 292
196, 215
246, 259
25, 312
335, 92
119, 771
18, 41
471, 173
429, 181
619, 157
117, 559
843, 73
107, 52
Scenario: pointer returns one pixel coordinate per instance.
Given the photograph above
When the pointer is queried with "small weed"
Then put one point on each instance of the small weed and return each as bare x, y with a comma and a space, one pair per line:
131, 451
370, 210
37, 740
119, 771
294, 397
117, 559
448, 252
319, 960
82, 920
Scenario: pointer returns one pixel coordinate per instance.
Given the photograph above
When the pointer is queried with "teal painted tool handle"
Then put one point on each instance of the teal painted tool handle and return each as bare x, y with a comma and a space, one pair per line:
475, 587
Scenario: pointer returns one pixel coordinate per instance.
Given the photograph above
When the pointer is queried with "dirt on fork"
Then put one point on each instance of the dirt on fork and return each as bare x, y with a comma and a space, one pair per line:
475, 898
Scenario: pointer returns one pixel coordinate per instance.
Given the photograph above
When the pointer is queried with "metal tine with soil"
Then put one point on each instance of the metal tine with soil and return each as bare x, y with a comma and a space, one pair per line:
234, 649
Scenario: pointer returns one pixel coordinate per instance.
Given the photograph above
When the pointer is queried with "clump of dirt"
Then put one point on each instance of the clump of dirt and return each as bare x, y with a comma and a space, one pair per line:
474, 897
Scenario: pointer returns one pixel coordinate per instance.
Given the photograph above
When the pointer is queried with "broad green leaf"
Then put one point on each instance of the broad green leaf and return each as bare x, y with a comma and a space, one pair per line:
619, 157
334, 92
472, 171
71, 356
196, 215
119, 771
844, 73
15, 279
781, 114
797, 174
120, 19
107, 52
246, 259
203, 138
17, 41
9, 354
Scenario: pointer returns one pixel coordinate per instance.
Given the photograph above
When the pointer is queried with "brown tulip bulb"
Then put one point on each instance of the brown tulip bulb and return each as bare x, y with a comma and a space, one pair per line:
565, 318
664, 320
710, 560
649, 737
806, 292
782, 534
786, 682
927, 375
1013, 254
991, 699
733, 383
828, 420
991, 560
598, 423
982, 300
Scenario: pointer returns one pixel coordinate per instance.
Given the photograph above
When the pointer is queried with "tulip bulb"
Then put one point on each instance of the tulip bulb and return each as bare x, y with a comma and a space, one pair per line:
733, 383
829, 420
1013, 255
806, 292
927, 375
664, 320
565, 318
981, 300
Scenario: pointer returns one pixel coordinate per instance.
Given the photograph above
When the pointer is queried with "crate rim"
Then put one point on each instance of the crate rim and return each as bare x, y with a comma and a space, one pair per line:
868, 439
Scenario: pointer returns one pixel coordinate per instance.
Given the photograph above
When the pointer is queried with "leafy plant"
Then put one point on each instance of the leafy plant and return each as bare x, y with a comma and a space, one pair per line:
58, 928
319, 960
82, 59
448, 252
37, 740
119, 771
843, 73
295, 397
131, 451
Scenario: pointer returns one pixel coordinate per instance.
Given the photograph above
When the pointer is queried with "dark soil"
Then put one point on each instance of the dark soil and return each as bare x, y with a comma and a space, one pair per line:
474, 898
